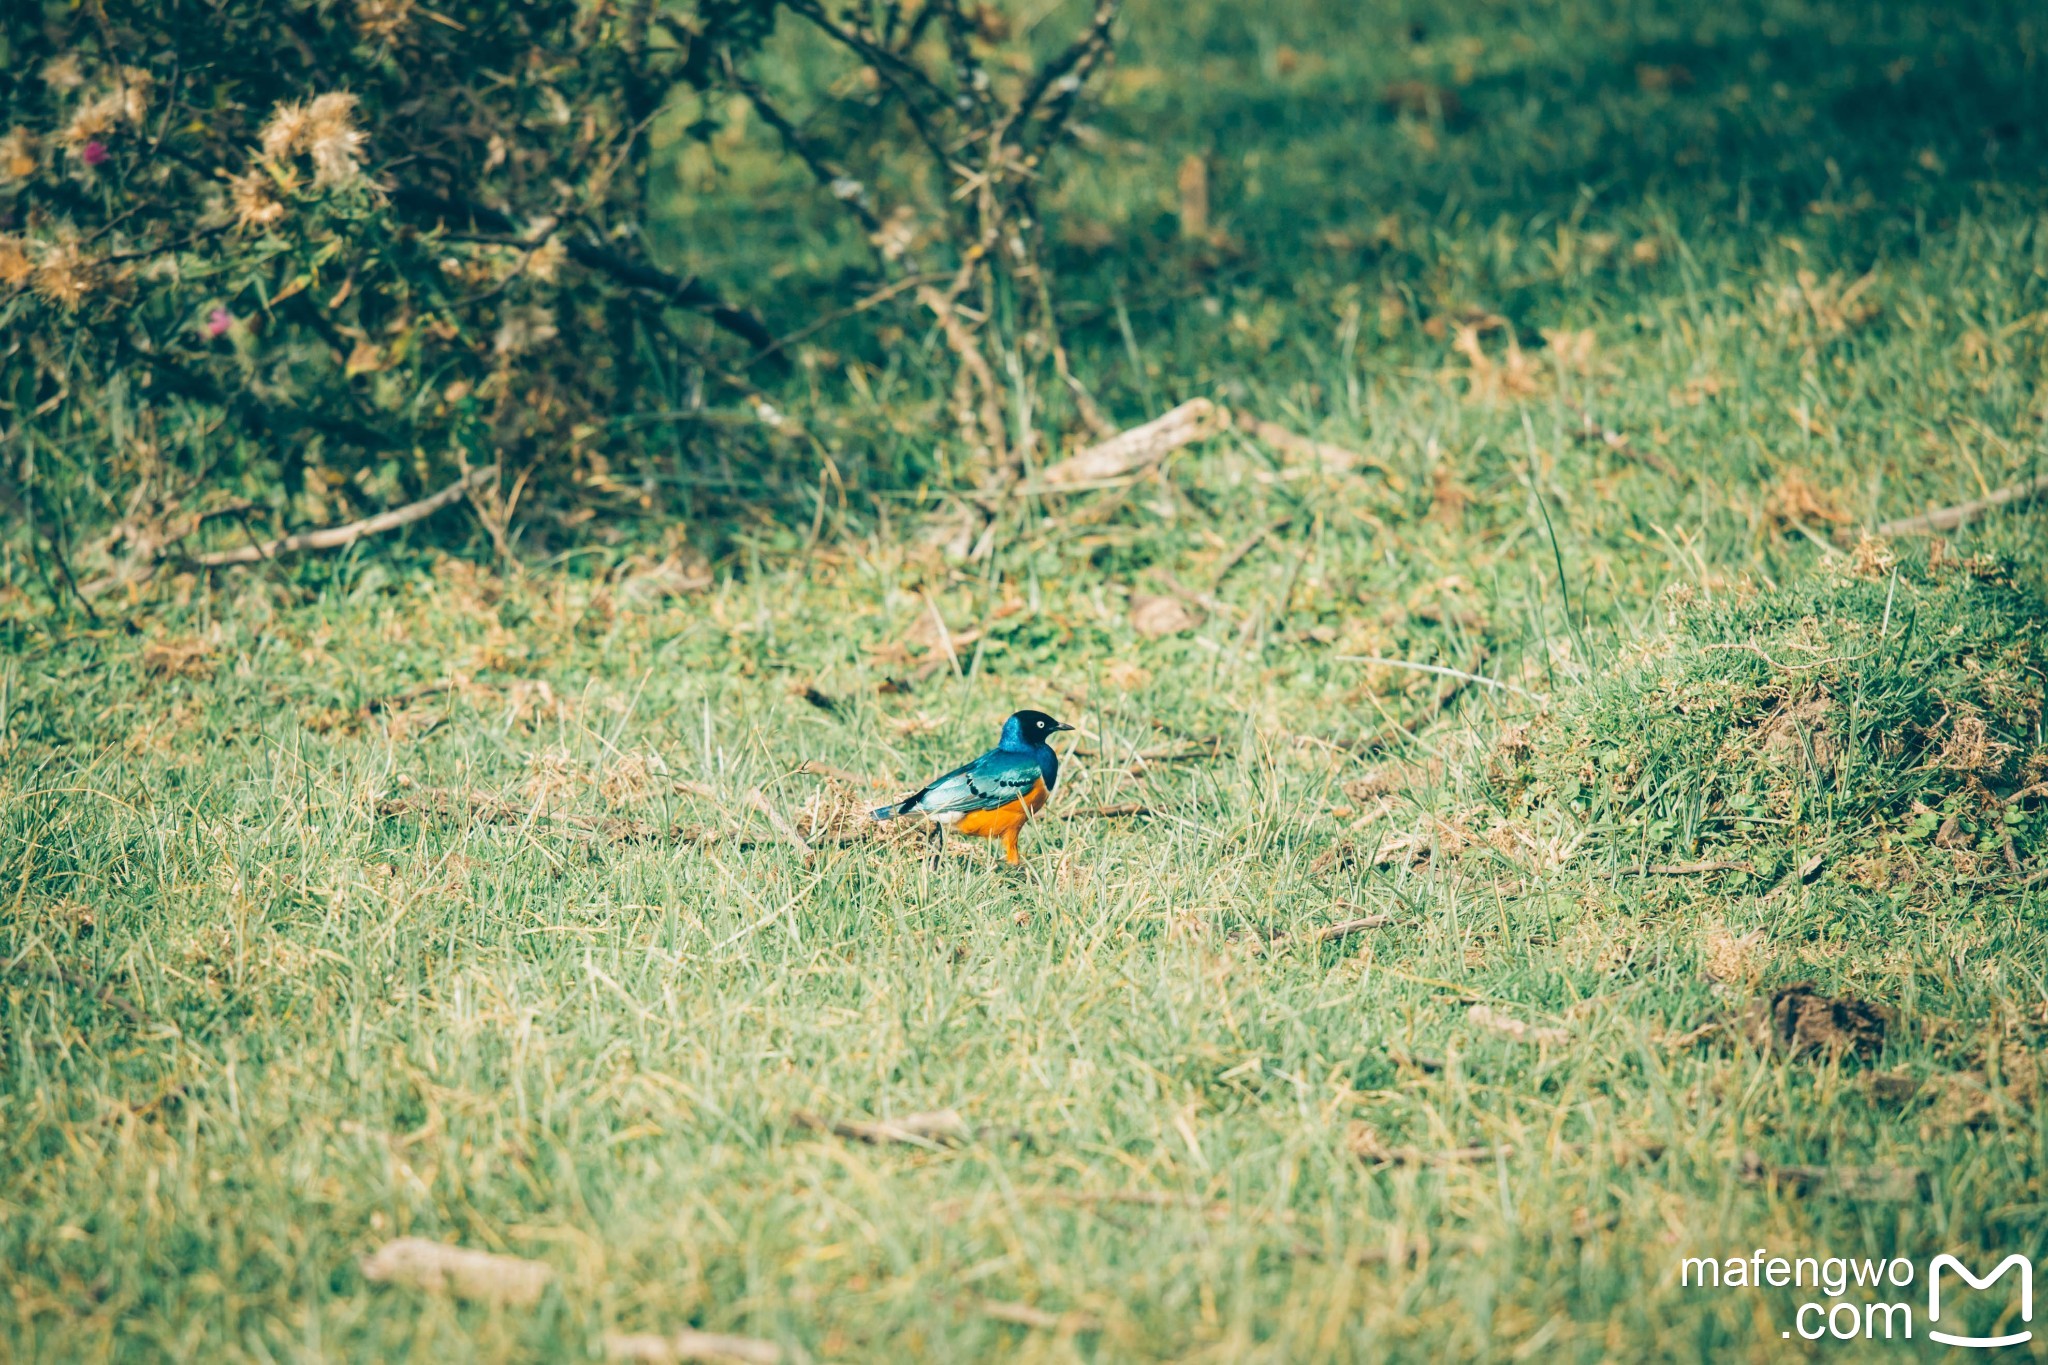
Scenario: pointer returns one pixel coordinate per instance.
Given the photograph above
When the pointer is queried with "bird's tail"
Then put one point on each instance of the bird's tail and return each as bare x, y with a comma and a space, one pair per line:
886, 812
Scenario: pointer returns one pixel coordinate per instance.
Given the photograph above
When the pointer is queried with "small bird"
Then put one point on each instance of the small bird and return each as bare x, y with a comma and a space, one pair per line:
993, 796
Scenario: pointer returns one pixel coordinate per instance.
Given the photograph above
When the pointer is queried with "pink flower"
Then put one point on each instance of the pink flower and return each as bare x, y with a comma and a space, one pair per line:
218, 322
95, 152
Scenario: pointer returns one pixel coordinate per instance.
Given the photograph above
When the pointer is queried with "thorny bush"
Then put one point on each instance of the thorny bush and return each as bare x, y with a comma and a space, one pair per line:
272, 265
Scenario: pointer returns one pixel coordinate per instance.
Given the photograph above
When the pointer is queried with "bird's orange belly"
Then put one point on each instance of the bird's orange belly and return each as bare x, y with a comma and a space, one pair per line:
1004, 821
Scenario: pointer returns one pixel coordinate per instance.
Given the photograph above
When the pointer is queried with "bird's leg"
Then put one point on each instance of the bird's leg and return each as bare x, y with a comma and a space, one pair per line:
937, 842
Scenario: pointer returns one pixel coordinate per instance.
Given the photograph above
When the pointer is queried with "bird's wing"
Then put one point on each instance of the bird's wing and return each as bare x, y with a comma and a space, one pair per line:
995, 779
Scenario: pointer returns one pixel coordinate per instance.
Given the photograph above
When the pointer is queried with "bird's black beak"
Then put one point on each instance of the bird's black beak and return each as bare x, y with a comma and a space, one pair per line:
1060, 725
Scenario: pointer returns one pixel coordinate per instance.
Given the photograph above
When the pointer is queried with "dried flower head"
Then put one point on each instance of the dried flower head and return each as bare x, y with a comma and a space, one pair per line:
524, 329
64, 276
219, 322
333, 139
324, 130
254, 199
62, 75
380, 20
94, 119
132, 90
545, 262
17, 155
286, 130
15, 267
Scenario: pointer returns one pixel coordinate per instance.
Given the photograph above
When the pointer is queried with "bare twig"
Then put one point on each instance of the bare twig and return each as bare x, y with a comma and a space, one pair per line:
334, 537
1948, 518
1592, 432
859, 306
1128, 808
781, 826
1243, 548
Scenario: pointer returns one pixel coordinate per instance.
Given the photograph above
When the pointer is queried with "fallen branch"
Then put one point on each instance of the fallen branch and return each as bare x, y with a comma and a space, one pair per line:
1128, 808
1333, 459
334, 537
1948, 518
1132, 450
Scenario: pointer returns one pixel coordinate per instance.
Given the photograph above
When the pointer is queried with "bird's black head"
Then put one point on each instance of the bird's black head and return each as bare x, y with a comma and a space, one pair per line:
1033, 727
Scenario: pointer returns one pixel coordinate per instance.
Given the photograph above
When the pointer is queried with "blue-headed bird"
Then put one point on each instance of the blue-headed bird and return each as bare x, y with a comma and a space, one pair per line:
993, 796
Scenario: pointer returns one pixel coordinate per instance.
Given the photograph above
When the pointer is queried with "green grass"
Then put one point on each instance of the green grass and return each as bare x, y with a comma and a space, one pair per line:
355, 1017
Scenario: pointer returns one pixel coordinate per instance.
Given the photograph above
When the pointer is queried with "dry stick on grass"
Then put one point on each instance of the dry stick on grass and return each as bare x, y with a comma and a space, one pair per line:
1592, 432
1949, 518
334, 537
689, 1344
1026, 1315
1332, 933
400, 699
1243, 548
1132, 450
480, 1275
1379, 1155
1334, 459
940, 1128
1128, 808
1693, 869
781, 826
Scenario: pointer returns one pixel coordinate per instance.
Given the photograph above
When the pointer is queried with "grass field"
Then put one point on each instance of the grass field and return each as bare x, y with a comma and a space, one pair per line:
531, 910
